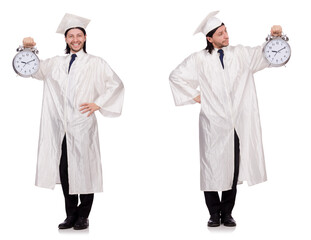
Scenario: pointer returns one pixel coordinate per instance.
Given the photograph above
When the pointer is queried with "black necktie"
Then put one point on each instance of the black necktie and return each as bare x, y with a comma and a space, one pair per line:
73, 57
221, 57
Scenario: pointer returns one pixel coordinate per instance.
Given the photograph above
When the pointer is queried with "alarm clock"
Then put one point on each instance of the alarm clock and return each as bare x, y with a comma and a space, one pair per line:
26, 61
277, 50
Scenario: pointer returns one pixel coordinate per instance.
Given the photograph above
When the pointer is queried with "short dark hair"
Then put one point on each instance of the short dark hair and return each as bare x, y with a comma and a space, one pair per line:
67, 50
210, 46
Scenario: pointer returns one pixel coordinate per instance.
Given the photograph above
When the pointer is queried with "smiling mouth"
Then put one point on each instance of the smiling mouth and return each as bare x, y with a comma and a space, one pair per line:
76, 45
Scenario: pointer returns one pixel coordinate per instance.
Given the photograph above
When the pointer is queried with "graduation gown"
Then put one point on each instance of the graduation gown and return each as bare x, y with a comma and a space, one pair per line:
228, 102
90, 80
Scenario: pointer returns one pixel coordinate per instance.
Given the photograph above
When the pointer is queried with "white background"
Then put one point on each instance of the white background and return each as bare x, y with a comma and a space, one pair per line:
150, 154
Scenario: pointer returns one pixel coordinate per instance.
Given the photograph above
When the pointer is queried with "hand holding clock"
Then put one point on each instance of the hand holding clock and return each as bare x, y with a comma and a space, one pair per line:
276, 31
28, 42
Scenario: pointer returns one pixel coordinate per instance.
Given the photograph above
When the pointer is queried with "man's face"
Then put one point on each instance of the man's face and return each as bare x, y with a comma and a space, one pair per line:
220, 38
75, 39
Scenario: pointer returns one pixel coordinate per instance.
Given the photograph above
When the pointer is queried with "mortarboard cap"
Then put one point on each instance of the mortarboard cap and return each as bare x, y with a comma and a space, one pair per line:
209, 23
72, 21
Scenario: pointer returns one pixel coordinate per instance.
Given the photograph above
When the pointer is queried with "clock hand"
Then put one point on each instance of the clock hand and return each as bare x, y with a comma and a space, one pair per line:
281, 49
31, 61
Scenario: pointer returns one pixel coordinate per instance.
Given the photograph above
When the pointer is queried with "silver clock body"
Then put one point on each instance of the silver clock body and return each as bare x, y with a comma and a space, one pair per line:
26, 62
277, 51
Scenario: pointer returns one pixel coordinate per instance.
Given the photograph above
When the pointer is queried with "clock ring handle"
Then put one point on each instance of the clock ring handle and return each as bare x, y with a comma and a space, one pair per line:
270, 37
20, 48
285, 38
33, 49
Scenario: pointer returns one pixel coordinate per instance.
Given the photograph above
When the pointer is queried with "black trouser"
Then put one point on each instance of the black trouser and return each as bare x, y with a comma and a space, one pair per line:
71, 201
226, 204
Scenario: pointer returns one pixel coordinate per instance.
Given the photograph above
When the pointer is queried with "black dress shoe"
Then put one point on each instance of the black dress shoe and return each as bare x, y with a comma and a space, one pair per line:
68, 223
81, 223
214, 220
228, 220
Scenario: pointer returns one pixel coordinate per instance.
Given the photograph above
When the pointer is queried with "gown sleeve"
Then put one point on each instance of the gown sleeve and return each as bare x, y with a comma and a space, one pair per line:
111, 91
257, 59
43, 69
184, 82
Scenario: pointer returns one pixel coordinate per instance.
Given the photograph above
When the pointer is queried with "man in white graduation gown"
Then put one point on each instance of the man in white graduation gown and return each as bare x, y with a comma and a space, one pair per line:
75, 86
231, 148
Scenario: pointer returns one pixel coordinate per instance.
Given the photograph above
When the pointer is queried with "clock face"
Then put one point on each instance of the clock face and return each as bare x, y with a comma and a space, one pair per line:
26, 63
277, 52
